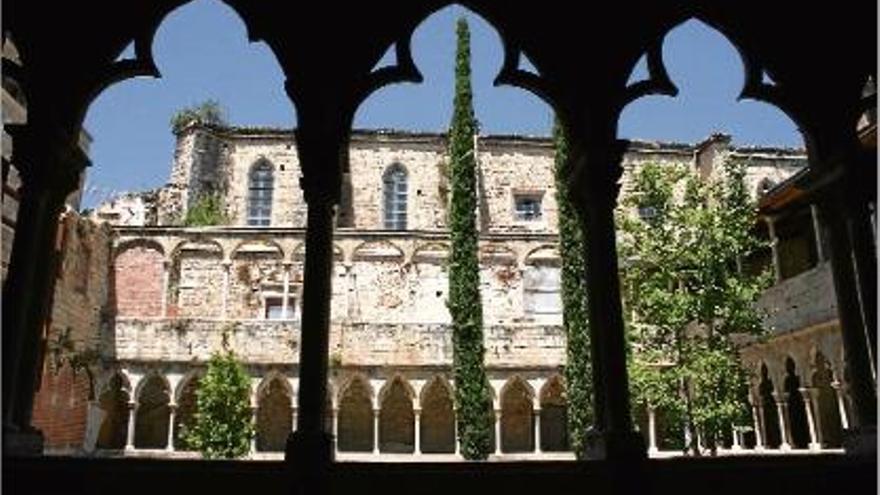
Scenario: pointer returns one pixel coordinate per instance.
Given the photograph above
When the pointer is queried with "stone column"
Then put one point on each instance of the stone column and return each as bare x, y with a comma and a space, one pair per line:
652, 430
253, 449
293, 418
817, 230
774, 248
172, 408
497, 431
455, 431
852, 326
49, 161
335, 430
735, 436
166, 276
784, 426
417, 448
757, 419
807, 394
536, 413
595, 157
310, 448
285, 310
376, 414
129, 437
839, 391
227, 264
817, 416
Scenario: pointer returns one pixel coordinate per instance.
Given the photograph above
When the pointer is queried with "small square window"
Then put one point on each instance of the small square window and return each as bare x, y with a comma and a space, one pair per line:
527, 207
275, 308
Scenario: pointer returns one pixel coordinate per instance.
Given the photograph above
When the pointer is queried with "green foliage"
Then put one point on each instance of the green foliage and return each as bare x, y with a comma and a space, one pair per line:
578, 374
687, 295
208, 210
208, 112
222, 426
472, 397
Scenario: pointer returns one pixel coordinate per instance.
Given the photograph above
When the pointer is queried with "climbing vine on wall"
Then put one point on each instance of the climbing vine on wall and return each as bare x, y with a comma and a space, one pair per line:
472, 398
578, 383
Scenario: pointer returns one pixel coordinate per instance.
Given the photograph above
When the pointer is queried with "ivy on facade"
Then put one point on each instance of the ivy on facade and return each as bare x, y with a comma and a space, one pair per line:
574, 302
472, 397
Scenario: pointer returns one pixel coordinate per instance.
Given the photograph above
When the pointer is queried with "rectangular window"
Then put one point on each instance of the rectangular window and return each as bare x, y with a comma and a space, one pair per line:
527, 207
542, 290
275, 308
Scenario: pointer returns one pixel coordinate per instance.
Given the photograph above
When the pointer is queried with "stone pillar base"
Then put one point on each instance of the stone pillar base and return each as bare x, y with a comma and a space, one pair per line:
861, 441
26, 443
599, 445
308, 457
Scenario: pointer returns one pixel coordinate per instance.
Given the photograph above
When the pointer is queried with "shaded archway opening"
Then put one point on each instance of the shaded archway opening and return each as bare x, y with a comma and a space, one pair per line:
114, 404
797, 413
397, 420
184, 415
554, 418
355, 422
517, 419
153, 410
437, 420
770, 417
828, 412
274, 417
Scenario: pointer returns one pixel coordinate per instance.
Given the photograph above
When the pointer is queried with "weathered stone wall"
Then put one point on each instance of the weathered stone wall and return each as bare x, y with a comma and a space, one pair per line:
799, 302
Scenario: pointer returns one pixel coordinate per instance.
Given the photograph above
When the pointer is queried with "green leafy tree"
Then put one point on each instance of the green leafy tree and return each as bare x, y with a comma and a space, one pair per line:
208, 210
473, 401
207, 112
688, 294
222, 426
578, 385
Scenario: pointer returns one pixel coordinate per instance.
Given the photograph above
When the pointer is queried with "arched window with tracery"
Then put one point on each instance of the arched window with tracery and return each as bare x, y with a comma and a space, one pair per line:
394, 197
261, 182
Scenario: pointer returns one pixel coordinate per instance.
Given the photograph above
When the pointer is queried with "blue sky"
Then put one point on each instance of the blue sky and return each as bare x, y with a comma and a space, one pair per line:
202, 51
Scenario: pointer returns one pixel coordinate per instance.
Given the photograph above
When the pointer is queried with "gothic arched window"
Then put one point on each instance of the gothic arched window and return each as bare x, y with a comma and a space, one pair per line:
394, 196
260, 184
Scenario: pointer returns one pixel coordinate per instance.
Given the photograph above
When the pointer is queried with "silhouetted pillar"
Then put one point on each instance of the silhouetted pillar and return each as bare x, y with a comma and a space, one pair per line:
865, 258
849, 311
49, 162
596, 171
309, 450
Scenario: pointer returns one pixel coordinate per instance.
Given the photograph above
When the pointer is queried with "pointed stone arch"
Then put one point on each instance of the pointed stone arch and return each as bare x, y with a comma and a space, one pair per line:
797, 413
517, 416
274, 413
355, 420
114, 401
396, 417
187, 404
437, 421
554, 416
153, 410
770, 418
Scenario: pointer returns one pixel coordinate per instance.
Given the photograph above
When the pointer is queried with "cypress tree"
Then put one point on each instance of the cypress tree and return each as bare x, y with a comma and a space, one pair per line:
578, 383
472, 398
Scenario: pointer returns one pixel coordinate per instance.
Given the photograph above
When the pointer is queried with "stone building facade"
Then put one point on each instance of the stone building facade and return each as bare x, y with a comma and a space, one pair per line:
174, 293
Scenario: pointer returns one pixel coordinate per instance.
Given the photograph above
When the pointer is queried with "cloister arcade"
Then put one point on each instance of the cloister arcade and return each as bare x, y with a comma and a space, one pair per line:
819, 56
